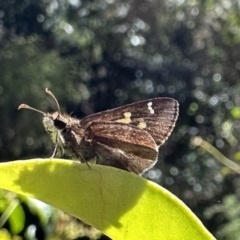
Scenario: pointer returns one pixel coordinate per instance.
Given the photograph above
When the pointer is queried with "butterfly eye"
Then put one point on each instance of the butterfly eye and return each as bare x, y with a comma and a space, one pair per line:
59, 124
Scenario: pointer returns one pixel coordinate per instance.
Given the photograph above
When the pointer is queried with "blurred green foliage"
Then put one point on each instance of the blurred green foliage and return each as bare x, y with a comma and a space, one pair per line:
96, 55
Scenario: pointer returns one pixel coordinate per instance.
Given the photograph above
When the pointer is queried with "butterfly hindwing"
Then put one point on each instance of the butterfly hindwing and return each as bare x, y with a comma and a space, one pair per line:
122, 146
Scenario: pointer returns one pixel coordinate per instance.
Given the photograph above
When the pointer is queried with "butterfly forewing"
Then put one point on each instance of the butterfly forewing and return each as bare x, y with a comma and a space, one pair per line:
156, 116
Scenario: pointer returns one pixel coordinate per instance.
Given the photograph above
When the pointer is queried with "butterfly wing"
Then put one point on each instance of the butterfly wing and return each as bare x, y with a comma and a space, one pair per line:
122, 146
156, 116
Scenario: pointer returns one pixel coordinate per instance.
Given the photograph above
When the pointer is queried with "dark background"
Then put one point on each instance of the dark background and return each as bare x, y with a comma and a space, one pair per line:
96, 55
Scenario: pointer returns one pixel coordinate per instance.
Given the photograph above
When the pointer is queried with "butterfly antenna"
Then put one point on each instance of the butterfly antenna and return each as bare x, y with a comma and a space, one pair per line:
28, 107
56, 101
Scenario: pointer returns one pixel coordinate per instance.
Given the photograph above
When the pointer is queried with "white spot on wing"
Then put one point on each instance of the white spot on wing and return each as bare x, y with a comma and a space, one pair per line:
150, 108
126, 119
142, 124
127, 115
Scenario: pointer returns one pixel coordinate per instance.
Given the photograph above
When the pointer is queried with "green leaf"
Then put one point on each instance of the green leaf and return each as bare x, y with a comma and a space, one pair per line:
118, 203
11, 211
16, 218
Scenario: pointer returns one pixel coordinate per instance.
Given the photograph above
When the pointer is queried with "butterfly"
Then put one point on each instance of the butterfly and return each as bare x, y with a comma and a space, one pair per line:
127, 137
